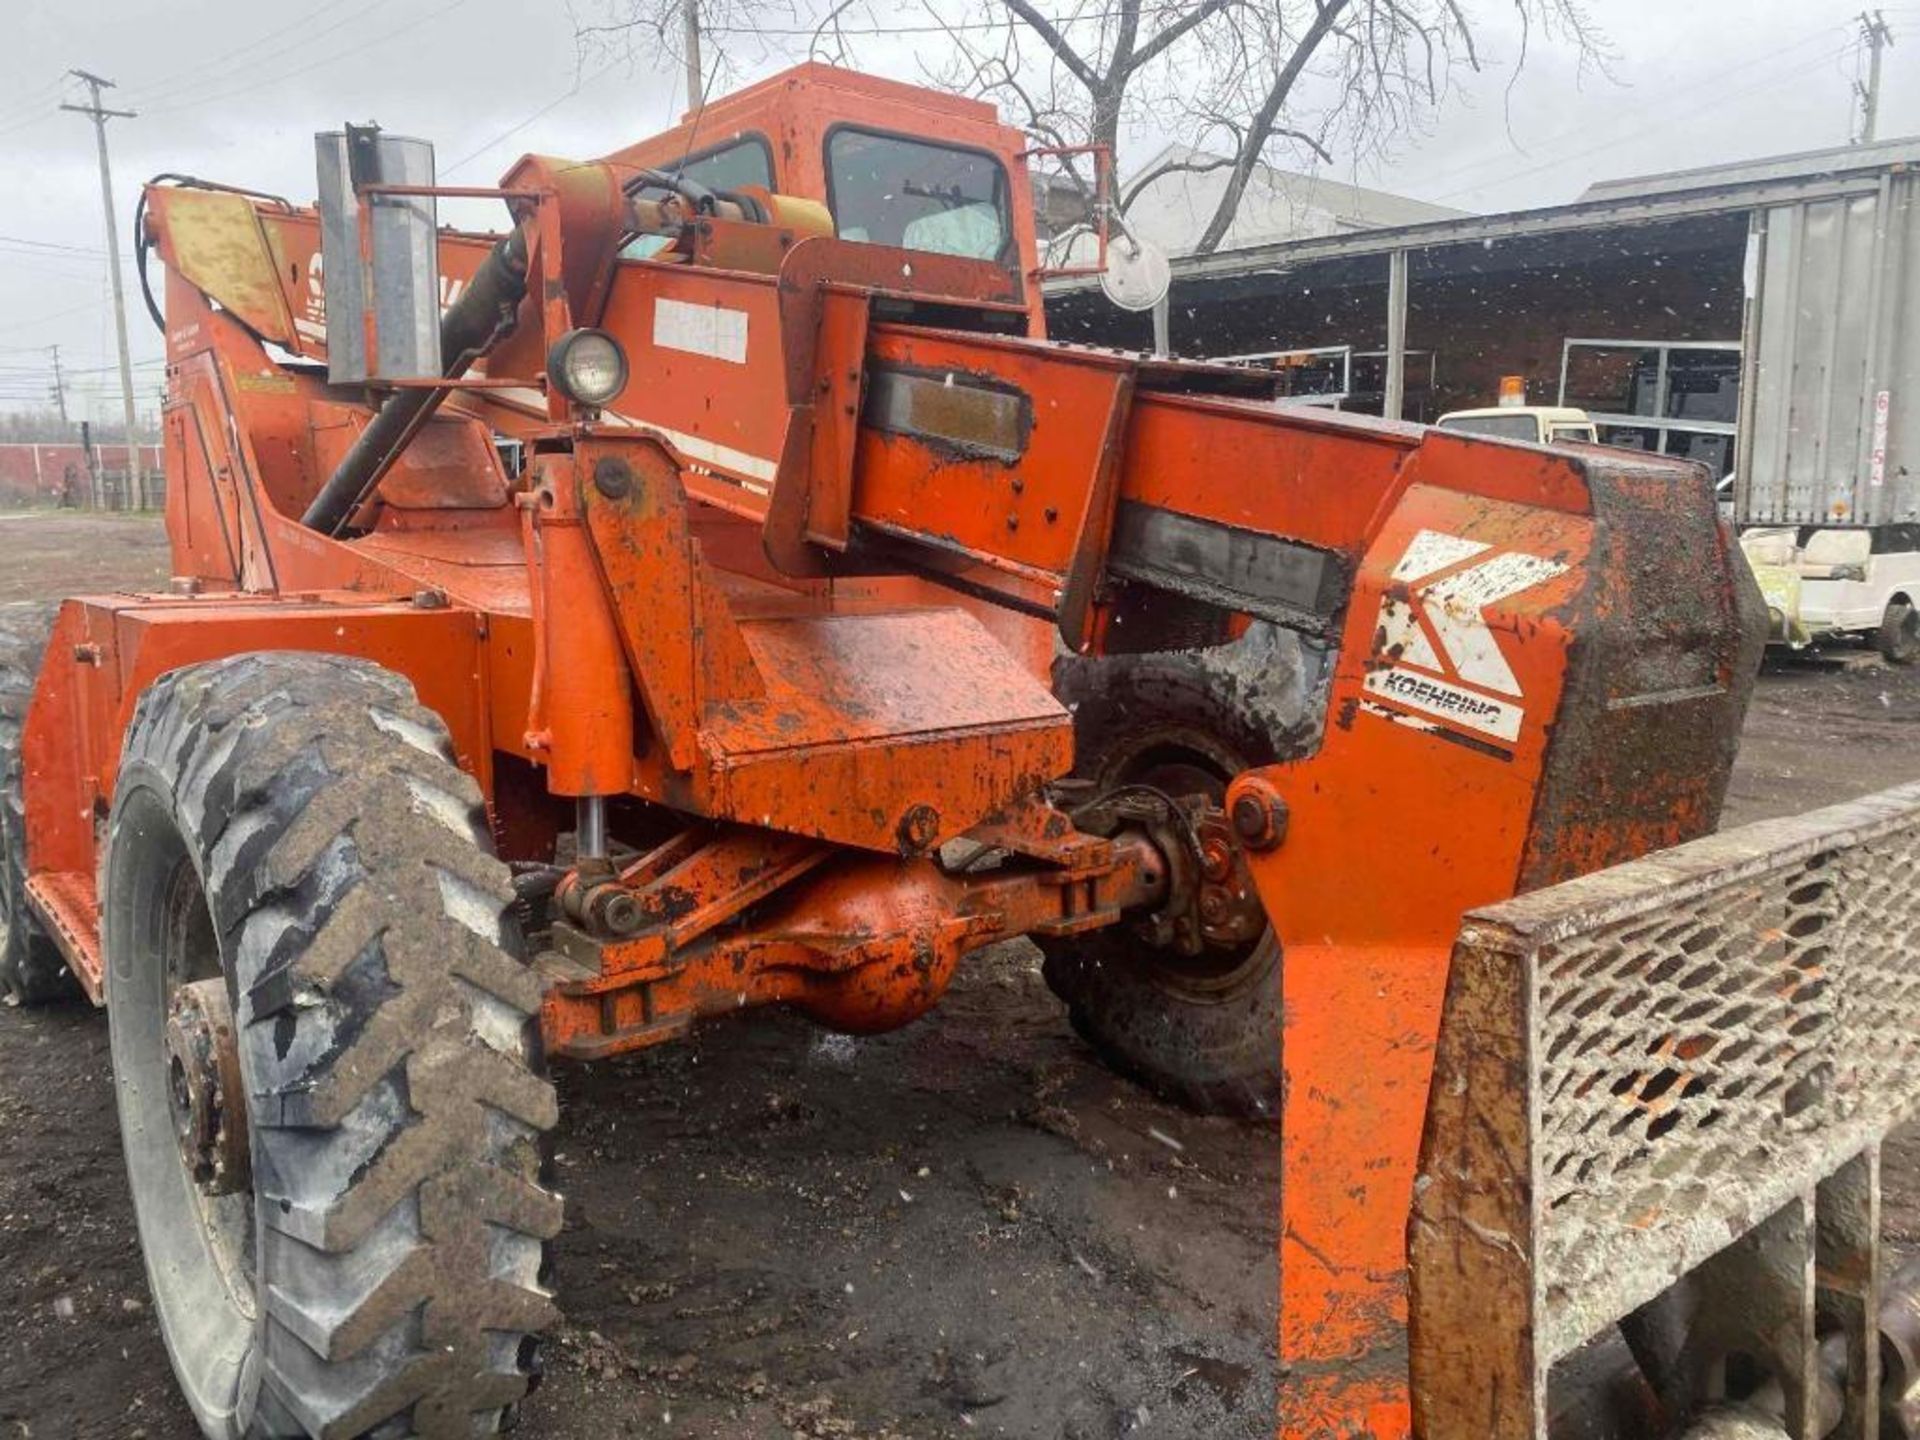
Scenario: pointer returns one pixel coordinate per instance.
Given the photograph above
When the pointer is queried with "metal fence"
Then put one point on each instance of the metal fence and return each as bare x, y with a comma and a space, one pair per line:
1682, 1066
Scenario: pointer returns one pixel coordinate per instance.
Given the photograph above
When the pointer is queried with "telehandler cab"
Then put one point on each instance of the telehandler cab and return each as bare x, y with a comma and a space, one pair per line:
714, 591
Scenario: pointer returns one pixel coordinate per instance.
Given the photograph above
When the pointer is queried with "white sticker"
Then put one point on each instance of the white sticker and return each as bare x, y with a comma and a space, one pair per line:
1453, 606
1430, 550
1877, 467
1452, 703
1443, 659
710, 330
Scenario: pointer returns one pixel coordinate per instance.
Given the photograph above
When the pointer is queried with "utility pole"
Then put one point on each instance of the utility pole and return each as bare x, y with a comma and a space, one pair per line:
100, 115
1874, 31
696, 81
59, 386
96, 492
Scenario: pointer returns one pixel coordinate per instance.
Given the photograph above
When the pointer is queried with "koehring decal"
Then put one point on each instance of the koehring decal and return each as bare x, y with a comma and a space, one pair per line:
1435, 632
1447, 702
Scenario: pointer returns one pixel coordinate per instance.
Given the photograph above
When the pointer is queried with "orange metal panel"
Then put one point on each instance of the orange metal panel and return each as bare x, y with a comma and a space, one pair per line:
1022, 514
706, 360
1403, 821
105, 651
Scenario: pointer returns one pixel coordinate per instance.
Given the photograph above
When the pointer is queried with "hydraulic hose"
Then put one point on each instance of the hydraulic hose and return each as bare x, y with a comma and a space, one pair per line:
483, 314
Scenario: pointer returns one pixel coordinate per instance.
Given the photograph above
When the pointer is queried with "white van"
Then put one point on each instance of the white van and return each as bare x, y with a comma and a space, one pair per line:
1541, 424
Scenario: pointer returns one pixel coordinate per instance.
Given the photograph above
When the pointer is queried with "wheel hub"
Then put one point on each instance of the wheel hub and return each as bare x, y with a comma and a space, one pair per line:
1211, 906
1230, 910
207, 1097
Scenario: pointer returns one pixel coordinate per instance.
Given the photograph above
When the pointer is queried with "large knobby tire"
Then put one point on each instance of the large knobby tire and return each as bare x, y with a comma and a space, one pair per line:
295, 826
1203, 1031
1899, 637
32, 970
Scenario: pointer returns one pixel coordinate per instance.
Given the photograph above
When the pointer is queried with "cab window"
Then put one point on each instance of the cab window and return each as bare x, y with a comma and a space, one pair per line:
1574, 434
889, 190
746, 161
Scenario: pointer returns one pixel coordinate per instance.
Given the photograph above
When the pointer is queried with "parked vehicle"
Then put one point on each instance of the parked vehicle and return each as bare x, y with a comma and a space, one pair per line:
830, 624
1541, 424
1834, 585
1825, 489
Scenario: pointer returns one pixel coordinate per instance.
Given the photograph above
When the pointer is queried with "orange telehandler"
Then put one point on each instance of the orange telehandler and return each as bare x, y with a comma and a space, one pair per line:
714, 591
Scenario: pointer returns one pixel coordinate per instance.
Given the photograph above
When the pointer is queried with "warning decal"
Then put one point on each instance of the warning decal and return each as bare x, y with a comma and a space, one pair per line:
1441, 656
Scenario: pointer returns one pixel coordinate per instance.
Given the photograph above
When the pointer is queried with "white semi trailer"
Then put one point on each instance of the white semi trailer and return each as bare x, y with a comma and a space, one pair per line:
1827, 479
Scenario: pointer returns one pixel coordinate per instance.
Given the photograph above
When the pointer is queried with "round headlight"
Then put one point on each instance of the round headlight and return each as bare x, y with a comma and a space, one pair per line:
588, 367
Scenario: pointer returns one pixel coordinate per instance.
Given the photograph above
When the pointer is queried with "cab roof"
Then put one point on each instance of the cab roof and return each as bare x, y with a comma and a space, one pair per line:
833, 77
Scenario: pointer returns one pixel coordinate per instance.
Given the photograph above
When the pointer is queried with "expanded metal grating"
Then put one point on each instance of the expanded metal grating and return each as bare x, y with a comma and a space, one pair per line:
1642, 1066
1708, 1049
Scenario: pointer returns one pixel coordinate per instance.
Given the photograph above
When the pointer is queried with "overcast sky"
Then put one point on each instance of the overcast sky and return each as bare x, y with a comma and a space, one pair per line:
233, 90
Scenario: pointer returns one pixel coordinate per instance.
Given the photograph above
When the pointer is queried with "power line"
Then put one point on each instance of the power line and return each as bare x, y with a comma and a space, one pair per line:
31, 100
1095, 17
31, 120
42, 319
1663, 124
1467, 167
52, 245
579, 84
285, 75
16, 372
96, 363
109, 369
182, 81
56, 268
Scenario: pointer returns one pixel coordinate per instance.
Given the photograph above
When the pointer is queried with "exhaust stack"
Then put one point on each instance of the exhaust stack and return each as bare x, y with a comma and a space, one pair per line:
381, 257
395, 292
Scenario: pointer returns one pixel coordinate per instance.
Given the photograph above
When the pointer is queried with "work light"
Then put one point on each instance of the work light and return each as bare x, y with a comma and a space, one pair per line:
587, 366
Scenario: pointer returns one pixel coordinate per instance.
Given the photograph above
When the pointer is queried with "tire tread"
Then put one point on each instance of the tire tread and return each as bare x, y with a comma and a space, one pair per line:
32, 969
380, 1173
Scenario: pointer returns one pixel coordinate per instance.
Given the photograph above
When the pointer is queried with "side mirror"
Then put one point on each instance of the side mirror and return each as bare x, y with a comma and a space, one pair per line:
1133, 272
1136, 275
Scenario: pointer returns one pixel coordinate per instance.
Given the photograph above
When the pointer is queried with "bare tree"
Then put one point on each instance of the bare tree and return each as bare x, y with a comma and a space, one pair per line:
1072, 74
737, 35
1092, 54
1254, 80
1352, 74
1248, 77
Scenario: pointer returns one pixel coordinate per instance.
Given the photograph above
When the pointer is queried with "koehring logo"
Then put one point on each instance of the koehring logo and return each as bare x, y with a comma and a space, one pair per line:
1447, 702
1435, 633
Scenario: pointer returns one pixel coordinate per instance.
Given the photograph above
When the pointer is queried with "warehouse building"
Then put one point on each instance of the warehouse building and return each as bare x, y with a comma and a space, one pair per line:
1630, 302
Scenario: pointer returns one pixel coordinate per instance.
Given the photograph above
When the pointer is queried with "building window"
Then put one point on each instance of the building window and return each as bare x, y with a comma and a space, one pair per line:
1677, 397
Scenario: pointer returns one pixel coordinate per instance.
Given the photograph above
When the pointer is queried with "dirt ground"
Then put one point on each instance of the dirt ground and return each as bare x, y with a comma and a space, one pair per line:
964, 1228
